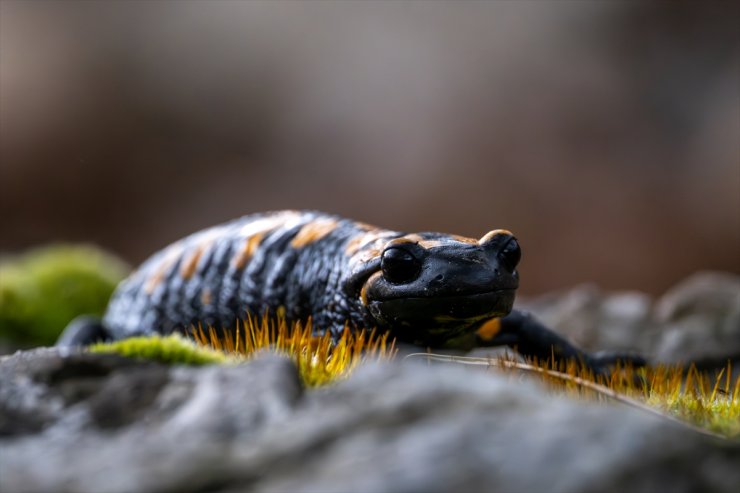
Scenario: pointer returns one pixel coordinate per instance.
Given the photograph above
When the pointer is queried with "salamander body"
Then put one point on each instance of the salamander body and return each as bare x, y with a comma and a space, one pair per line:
430, 289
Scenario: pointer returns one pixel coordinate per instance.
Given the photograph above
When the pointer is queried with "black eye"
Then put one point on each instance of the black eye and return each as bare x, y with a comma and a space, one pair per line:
399, 265
510, 254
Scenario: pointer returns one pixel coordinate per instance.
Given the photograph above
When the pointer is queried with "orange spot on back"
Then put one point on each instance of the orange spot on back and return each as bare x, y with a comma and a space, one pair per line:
464, 239
489, 329
446, 240
366, 226
313, 231
492, 234
360, 241
432, 243
412, 238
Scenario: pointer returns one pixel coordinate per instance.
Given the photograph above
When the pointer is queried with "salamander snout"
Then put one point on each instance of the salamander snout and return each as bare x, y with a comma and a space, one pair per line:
510, 254
506, 247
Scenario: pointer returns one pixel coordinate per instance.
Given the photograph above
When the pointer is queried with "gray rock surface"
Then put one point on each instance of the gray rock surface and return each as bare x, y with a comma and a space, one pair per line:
98, 423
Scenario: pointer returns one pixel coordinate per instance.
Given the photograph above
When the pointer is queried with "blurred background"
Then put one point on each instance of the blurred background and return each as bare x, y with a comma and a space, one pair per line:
606, 135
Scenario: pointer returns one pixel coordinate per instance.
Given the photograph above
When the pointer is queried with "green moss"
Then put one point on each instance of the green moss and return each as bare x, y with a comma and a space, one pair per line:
720, 414
320, 359
42, 290
703, 400
173, 350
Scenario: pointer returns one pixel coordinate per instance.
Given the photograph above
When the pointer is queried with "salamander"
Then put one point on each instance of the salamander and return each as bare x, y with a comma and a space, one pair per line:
430, 289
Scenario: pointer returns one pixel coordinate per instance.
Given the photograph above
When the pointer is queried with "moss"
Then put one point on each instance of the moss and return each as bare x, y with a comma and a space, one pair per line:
320, 359
43, 289
711, 402
702, 400
172, 350
721, 415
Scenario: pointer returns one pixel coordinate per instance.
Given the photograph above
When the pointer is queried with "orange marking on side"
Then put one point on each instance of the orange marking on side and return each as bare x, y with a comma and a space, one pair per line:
313, 231
187, 269
353, 244
250, 246
491, 234
489, 329
368, 255
154, 281
206, 298
363, 291
165, 265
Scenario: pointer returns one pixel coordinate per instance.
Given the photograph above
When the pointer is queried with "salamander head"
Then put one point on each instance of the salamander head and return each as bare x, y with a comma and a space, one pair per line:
431, 287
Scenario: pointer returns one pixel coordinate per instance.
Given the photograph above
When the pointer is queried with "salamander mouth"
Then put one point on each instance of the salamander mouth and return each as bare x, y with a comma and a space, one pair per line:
458, 296
443, 310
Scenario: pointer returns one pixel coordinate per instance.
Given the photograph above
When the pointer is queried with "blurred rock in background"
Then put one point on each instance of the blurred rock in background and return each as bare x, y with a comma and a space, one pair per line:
697, 320
606, 135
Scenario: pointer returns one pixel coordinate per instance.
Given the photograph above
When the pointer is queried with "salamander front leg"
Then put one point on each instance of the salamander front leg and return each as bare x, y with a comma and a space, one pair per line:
82, 331
531, 338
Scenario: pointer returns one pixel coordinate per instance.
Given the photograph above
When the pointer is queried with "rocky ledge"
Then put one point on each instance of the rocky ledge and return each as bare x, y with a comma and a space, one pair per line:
78, 422
72, 421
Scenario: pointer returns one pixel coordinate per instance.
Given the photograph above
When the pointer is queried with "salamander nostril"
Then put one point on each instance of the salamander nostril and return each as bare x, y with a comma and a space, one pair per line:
510, 254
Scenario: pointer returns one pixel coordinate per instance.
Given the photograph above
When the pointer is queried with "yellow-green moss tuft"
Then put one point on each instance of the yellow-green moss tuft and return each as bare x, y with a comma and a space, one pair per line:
712, 402
704, 401
45, 288
172, 349
320, 359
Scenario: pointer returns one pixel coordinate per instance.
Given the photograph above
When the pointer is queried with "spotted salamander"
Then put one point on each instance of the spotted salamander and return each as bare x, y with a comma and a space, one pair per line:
430, 289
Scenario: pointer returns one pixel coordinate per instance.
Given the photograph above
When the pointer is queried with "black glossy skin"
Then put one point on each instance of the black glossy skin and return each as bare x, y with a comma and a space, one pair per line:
303, 281
430, 289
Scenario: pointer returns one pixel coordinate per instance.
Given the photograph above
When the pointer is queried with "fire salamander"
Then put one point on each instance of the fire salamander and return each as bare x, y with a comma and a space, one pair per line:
430, 289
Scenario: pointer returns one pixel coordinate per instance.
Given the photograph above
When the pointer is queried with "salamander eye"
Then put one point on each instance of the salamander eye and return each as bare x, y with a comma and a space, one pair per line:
399, 265
510, 254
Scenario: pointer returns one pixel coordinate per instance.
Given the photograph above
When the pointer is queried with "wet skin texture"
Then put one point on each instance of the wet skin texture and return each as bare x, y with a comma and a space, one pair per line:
429, 289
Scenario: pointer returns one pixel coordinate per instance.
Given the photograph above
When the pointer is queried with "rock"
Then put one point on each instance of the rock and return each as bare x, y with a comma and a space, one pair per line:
37, 386
136, 428
440, 429
76, 421
594, 319
394, 426
700, 320
696, 321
